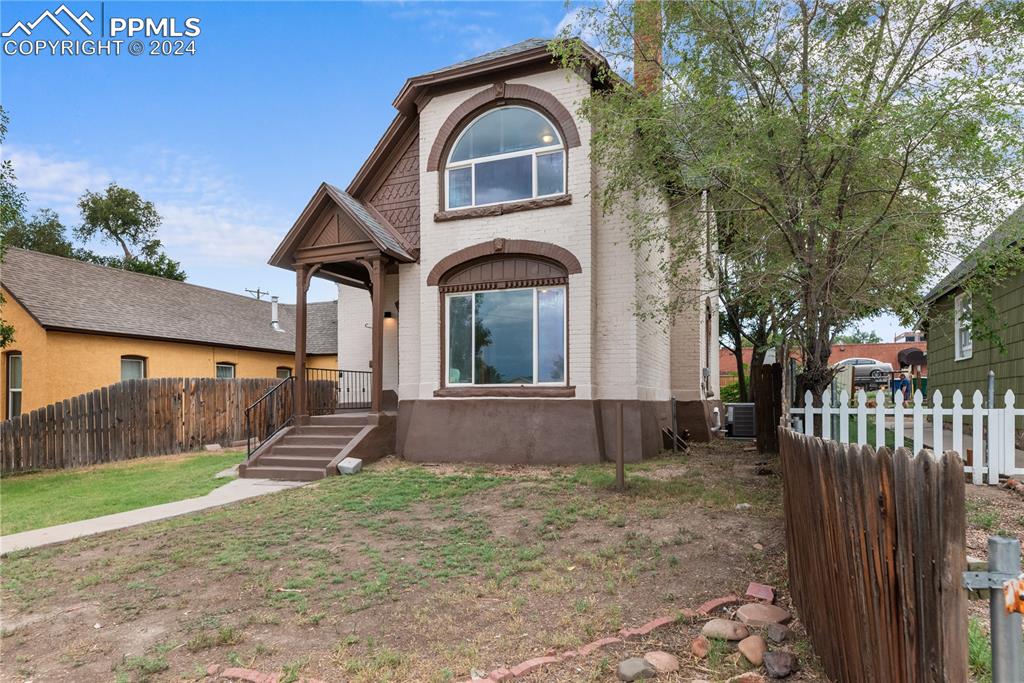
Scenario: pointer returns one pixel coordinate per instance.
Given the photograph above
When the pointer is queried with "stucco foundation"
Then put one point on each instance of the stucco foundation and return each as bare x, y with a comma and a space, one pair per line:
529, 431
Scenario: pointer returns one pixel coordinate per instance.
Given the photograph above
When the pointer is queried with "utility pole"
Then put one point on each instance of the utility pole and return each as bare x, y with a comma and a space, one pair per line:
258, 293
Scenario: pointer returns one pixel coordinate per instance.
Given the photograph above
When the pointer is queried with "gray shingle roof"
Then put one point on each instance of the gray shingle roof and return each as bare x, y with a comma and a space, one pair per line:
383, 236
1008, 232
523, 46
68, 294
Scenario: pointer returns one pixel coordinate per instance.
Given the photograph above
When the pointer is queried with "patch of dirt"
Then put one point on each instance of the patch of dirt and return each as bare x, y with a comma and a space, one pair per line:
371, 579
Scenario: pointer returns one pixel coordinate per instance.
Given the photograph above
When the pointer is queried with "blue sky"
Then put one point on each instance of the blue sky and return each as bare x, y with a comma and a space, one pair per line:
230, 143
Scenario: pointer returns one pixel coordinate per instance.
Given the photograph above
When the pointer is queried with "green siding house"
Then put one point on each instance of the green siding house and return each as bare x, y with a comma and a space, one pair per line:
957, 359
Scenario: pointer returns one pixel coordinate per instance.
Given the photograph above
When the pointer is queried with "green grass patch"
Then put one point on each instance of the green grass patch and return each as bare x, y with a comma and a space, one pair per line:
32, 501
979, 652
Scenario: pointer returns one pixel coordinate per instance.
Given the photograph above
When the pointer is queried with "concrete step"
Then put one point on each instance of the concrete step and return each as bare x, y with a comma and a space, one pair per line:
326, 430
317, 440
285, 473
292, 461
308, 451
338, 420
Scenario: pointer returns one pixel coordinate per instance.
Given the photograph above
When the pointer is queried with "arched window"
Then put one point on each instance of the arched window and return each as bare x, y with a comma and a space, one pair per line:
505, 155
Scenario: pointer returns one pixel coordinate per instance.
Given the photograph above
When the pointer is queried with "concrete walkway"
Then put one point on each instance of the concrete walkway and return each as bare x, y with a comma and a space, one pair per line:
238, 489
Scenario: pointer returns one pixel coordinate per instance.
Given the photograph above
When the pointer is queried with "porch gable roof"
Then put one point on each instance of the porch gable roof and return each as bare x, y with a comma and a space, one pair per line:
365, 220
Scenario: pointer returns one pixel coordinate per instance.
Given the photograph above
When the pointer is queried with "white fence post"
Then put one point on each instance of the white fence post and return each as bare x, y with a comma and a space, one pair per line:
937, 423
918, 422
1009, 463
977, 438
826, 414
862, 418
844, 416
879, 419
897, 421
808, 413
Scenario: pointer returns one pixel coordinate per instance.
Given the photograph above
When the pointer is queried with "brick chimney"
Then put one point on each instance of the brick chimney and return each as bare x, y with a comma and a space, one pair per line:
647, 49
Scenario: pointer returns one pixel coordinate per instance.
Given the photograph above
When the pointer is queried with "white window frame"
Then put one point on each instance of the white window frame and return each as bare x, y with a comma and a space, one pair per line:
962, 351
133, 359
225, 364
472, 163
7, 381
472, 346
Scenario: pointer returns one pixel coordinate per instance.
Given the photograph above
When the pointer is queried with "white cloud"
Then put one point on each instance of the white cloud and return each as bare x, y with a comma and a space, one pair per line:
207, 220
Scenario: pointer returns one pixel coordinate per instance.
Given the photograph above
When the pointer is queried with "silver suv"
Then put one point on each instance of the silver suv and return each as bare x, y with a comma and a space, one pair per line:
867, 370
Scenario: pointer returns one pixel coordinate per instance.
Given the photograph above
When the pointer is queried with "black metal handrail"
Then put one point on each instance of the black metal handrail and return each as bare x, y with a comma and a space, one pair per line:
271, 413
328, 390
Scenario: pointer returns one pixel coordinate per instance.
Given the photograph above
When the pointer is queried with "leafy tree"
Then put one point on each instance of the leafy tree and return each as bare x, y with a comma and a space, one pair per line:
44, 232
858, 336
12, 208
867, 139
121, 216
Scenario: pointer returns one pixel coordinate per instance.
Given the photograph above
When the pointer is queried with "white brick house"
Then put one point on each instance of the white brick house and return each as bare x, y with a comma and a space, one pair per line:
505, 329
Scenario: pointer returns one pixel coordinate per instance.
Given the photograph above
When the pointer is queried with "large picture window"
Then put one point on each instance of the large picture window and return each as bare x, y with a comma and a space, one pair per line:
505, 155
510, 336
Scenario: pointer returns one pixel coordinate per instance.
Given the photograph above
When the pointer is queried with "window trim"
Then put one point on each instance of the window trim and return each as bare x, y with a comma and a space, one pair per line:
141, 359
959, 352
533, 152
233, 366
8, 390
446, 366
277, 371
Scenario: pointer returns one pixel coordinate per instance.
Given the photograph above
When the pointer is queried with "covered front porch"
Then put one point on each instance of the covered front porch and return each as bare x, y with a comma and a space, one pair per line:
336, 238
342, 240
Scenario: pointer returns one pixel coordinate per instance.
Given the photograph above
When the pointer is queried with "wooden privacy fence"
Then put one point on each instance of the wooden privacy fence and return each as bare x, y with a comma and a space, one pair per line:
876, 554
137, 418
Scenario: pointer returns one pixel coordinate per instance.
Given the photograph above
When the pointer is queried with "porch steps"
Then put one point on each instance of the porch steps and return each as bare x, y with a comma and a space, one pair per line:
305, 453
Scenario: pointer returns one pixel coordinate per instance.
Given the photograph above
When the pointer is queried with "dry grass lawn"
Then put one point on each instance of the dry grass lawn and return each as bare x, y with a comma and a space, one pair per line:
405, 573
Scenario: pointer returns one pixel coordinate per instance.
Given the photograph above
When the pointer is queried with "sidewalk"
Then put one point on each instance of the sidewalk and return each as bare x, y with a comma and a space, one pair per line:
238, 489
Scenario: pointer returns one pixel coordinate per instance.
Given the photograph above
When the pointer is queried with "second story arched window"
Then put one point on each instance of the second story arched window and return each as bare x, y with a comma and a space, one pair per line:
505, 155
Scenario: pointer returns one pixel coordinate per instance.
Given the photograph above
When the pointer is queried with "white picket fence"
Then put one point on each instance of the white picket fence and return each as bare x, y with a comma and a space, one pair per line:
989, 436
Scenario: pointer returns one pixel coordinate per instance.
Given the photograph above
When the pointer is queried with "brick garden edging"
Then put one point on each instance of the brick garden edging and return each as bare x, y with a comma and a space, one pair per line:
237, 673
531, 665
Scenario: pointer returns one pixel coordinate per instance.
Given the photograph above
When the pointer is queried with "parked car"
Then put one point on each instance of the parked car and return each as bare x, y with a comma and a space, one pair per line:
867, 370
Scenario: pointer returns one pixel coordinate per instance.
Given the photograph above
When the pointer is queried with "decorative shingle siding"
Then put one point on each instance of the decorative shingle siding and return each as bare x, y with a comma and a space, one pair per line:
948, 375
398, 197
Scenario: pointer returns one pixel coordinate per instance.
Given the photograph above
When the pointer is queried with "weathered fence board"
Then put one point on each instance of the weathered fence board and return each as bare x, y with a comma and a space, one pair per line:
876, 551
138, 418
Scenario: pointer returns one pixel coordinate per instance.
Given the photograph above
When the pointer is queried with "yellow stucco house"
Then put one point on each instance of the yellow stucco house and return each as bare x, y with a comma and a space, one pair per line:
80, 326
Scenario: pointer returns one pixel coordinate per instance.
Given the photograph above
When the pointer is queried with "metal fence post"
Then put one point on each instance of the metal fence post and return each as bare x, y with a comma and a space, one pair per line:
1007, 646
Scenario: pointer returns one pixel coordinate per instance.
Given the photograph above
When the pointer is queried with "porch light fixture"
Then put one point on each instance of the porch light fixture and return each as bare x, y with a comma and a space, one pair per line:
387, 314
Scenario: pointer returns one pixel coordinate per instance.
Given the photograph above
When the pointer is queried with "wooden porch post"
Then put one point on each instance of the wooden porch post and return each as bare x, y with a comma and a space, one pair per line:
377, 292
301, 284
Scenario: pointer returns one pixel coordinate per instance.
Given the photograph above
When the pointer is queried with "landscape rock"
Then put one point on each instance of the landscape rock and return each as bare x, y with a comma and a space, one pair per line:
777, 633
635, 668
753, 648
744, 506
663, 662
758, 614
699, 647
759, 591
213, 447
780, 663
725, 629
